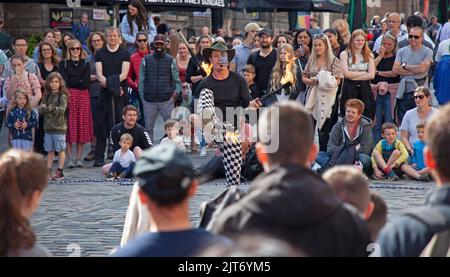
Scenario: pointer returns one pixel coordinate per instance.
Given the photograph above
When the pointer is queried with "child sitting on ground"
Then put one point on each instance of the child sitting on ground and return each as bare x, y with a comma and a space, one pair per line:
418, 169
171, 129
249, 74
389, 155
124, 159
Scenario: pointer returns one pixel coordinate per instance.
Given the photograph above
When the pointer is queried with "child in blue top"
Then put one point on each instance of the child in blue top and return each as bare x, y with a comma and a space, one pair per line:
419, 170
21, 122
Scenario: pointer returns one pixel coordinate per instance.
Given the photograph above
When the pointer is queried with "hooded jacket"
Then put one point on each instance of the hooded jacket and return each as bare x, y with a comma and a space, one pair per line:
339, 135
295, 205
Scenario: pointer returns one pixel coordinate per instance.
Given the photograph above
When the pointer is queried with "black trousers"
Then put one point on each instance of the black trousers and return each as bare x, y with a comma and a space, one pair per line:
360, 90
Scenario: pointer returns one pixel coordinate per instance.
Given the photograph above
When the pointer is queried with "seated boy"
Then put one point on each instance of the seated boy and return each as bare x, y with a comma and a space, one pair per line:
171, 129
418, 169
124, 160
389, 155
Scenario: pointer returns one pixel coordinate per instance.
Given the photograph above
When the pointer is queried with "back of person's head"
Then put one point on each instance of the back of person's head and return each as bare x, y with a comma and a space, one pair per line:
414, 21
23, 176
437, 139
253, 244
350, 185
165, 175
286, 133
378, 218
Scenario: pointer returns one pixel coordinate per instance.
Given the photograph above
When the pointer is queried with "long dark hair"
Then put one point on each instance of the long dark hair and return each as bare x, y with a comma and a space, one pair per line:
299, 31
141, 17
21, 174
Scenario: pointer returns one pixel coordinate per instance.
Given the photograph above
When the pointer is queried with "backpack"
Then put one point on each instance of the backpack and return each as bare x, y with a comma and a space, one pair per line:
210, 210
437, 219
251, 167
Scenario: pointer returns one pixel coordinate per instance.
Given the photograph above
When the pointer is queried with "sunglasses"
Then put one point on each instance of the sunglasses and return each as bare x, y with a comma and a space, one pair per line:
142, 40
321, 35
413, 37
416, 97
75, 48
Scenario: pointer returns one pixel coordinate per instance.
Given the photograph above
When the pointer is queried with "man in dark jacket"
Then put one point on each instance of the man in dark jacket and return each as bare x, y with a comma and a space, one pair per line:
289, 201
408, 235
159, 84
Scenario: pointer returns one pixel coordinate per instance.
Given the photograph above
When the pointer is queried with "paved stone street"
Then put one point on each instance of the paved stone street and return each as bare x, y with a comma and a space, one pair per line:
78, 218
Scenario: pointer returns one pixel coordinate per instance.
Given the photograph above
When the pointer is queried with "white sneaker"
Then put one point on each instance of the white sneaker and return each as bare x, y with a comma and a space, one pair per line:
79, 163
203, 151
71, 164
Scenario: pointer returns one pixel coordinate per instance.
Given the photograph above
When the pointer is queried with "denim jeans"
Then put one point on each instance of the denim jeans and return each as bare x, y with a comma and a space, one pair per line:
117, 168
405, 104
383, 114
323, 157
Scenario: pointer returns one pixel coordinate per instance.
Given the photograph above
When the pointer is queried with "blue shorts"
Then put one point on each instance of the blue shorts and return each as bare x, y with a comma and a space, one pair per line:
55, 142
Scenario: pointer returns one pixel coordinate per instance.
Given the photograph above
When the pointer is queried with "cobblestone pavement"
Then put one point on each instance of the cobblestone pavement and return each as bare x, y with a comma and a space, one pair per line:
86, 218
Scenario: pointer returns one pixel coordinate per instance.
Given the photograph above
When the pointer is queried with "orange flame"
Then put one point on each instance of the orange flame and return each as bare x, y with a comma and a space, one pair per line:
206, 67
287, 76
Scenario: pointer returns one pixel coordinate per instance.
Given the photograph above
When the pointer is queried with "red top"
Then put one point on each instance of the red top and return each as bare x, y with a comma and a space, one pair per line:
182, 72
133, 73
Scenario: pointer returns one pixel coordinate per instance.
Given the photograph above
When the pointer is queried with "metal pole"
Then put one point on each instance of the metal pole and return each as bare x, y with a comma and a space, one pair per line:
274, 20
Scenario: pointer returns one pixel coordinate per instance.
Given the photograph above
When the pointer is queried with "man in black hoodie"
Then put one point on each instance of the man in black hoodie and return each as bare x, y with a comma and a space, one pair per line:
289, 201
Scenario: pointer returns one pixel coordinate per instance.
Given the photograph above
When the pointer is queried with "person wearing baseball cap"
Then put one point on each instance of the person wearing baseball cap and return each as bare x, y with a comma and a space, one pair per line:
159, 84
243, 51
167, 181
264, 59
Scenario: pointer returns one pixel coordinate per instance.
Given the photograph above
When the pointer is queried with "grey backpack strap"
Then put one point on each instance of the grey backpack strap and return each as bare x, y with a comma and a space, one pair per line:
439, 245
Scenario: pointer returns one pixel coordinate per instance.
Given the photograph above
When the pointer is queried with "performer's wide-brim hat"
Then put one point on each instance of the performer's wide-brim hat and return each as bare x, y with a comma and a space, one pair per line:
220, 46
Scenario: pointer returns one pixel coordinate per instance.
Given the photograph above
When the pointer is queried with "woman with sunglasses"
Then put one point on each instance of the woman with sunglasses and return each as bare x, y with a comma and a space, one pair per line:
413, 117
77, 74
142, 45
359, 68
323, 104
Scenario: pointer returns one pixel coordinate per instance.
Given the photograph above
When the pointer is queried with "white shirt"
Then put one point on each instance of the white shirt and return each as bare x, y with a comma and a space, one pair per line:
444, 49
177, 140
124, 159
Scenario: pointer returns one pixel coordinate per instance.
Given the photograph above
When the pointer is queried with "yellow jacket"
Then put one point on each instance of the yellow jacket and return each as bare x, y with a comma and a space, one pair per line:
398, 145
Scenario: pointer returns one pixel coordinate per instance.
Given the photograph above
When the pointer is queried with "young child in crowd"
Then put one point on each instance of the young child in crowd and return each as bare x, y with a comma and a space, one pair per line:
389, 155
249, 74
418, 170
21, 121
124, 159
53, 108
172, 135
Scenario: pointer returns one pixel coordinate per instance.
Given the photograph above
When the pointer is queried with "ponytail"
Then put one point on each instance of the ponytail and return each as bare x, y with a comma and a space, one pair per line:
21, 174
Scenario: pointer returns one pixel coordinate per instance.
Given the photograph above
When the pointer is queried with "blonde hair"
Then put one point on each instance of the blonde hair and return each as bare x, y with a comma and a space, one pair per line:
27, 106
72, 43
126, 137
345, 34
278, 72
329, 55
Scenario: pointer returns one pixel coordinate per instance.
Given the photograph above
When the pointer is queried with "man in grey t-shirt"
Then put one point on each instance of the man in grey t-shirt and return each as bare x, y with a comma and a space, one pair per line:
411, 63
